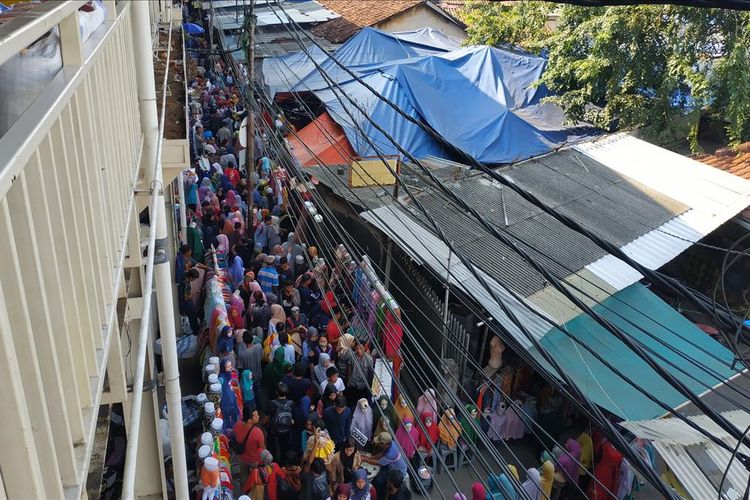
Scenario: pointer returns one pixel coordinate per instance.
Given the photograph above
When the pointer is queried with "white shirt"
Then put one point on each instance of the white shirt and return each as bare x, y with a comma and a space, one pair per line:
339, 385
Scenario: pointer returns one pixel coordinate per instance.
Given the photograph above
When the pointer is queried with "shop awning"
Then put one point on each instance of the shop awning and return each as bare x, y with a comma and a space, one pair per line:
697, 463
675, 343
598, 382
324, 141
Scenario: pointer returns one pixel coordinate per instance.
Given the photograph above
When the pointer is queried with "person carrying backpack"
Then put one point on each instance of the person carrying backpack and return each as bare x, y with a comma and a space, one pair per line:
281, 420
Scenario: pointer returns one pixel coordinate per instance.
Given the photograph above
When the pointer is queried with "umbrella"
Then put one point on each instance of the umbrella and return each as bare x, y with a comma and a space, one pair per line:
193, 29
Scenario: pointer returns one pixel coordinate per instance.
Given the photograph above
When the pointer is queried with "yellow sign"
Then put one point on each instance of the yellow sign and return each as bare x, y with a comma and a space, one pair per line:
373, 173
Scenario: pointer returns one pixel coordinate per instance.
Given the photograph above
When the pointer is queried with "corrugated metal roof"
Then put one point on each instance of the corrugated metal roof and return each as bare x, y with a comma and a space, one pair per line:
711, 196
428, 250
696, 461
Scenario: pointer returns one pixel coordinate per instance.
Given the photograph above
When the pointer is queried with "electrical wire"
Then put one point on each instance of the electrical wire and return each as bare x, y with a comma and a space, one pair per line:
476, 451
491, 292
682, 388
612, 249
511, 402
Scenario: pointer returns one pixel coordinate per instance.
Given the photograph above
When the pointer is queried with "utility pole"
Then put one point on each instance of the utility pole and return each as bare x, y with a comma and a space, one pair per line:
211, 18
250, 128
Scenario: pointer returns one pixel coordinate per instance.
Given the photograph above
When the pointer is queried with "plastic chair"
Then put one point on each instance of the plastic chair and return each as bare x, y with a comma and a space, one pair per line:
443, 453
465, 453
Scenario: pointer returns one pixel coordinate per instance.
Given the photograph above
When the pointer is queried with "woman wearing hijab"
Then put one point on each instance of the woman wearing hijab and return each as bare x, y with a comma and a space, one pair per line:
429, 436
230, 200
408, 437
236, 270
361, 487
195, 241
533, 485
569, 462
191, 197
384, 409
548, 478
478, 492
501, 487
319, 373
402, 409
274, 371
309, 353
236, 313
231, 405
427, 402
277, 317
362, 419
327, 399
223, 244
224, 183
205, 188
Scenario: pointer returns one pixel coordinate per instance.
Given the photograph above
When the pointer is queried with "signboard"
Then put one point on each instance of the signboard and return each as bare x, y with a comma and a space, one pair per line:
382, 381
373, 172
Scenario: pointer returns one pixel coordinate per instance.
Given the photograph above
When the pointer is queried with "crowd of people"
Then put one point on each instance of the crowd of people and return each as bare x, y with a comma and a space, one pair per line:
293, 380
291, 404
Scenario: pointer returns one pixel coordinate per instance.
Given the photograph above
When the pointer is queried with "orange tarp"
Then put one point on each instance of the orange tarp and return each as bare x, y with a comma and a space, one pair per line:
323, 139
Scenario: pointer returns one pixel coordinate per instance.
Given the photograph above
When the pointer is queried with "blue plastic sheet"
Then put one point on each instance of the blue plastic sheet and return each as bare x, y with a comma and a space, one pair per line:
483, 100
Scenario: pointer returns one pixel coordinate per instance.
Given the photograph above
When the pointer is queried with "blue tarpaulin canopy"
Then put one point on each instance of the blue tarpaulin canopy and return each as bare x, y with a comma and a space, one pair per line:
609, 390
483, 100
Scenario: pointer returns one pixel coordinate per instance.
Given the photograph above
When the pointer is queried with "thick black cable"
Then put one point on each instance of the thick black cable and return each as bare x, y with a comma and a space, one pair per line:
719, 419
502, 178
382, 355
424, 376
718, 377
641, 465
701, 366
510, 401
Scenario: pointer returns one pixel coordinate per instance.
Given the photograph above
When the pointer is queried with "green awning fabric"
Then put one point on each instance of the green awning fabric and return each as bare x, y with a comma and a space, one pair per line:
681, 340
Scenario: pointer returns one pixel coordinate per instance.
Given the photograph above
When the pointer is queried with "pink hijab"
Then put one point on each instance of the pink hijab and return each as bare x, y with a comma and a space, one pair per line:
427, 402
223, 243
231, 199
236, 313
255, 287
408, 439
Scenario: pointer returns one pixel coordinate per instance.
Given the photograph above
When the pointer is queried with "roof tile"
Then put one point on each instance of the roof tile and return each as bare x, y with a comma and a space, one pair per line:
733, 160
358, 14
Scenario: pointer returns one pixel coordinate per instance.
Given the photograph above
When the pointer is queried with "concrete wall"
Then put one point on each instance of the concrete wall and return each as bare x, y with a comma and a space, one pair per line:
422, 17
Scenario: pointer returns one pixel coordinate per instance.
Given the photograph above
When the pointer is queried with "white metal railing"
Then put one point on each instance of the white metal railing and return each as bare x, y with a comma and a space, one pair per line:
68, 168
128, 483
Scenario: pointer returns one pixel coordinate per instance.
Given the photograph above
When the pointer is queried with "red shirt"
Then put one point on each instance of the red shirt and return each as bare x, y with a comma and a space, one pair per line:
333, 332
255, 443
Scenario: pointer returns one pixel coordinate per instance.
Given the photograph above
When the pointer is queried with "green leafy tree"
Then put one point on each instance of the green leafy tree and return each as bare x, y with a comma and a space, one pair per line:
651, 66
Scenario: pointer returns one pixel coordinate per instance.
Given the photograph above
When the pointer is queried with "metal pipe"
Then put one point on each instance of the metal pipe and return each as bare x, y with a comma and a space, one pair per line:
183, 208
153, 135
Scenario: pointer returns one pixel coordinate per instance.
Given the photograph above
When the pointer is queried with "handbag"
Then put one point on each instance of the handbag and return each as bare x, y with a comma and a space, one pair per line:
236, 446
